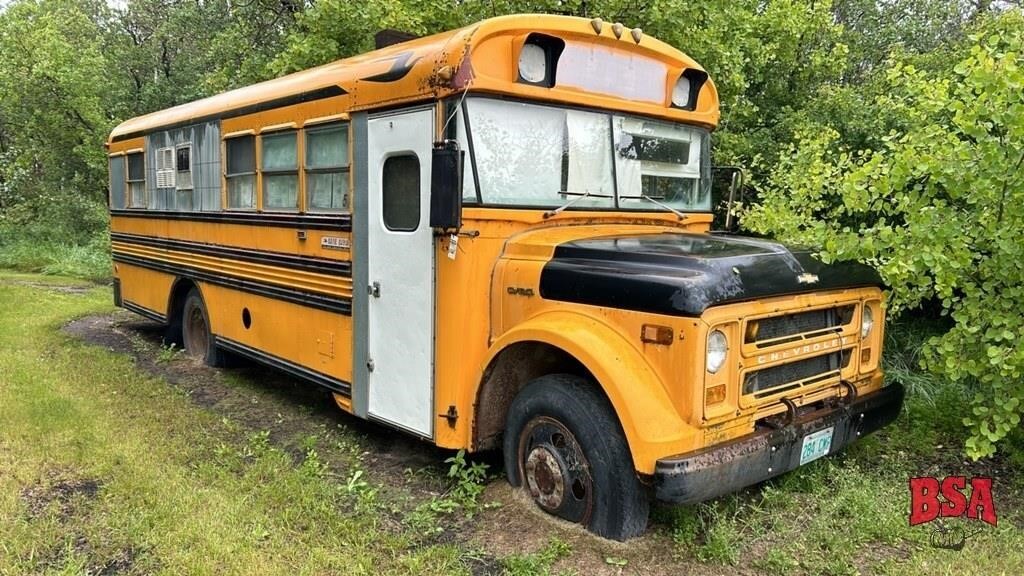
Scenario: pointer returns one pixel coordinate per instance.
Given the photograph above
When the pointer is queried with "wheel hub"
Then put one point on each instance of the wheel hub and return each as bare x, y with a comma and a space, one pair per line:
555, 470
545, 477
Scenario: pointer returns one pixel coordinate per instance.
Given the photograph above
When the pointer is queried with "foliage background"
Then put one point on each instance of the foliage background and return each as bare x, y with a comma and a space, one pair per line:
888, 131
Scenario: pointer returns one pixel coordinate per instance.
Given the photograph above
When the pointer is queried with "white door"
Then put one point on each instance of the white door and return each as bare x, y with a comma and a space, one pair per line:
400, 266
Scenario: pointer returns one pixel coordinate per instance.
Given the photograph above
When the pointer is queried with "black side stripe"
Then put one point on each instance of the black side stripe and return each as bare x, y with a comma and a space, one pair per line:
301, 98
308, 263
329, 382
338, 305
143, 311
338, 222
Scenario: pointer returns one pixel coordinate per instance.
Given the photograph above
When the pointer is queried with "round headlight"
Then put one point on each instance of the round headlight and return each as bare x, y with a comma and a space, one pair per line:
533, 63
866, 322
717, 349
681, 92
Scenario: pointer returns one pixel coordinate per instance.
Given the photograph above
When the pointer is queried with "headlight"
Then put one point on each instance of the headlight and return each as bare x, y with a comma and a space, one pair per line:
533, 63
681, 93
866, 322
717, 349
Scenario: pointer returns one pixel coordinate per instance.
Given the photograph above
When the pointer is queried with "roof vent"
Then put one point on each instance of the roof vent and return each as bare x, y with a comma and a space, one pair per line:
389, 37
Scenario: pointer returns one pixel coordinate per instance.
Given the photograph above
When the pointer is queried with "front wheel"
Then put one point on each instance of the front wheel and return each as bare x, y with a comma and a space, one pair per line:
565, 447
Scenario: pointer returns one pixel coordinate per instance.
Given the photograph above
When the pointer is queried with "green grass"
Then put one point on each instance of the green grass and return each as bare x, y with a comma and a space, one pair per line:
538, 563
103, 468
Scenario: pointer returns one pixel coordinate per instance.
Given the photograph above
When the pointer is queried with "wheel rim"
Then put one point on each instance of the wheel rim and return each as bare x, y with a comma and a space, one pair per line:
196, 333
555, 471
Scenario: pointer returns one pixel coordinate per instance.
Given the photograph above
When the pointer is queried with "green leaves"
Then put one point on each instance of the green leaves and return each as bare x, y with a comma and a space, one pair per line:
937, 207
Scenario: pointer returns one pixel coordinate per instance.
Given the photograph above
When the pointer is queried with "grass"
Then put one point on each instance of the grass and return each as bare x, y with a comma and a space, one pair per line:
107, 469
103, 468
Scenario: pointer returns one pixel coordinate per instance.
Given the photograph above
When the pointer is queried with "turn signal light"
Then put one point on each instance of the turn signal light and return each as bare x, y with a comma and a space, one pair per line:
655, 334
865, 355
714, 395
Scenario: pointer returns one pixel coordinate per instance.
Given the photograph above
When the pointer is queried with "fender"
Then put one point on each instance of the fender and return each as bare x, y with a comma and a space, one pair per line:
652, 426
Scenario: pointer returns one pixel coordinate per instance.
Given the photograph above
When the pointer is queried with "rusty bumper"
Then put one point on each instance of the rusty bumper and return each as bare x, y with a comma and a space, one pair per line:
725, 468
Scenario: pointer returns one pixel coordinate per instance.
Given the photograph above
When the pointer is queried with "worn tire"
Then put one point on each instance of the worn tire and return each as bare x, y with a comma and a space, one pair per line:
197, 338
565, 446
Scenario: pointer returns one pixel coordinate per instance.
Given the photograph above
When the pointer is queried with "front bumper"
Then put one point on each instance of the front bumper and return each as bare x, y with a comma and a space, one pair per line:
725, 468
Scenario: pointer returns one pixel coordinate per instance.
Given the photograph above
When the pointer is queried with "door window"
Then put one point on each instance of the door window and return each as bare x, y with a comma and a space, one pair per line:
400, 185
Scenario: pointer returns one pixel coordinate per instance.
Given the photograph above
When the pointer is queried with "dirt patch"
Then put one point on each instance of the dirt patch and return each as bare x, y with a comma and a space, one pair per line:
60, 493
517, 527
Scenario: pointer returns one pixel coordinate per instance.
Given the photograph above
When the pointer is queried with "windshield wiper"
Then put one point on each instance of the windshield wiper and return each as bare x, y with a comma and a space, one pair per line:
681, 215
579, 196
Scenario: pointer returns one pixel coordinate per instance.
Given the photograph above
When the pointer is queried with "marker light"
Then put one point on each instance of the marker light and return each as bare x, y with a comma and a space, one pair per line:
866, 322
717, 348
533, 63
681, 92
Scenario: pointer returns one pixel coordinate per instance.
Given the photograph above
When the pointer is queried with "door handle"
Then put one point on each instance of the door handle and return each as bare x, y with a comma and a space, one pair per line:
374, 289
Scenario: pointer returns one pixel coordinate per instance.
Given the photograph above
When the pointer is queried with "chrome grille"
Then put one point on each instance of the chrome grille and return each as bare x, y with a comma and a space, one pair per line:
777, 379
791, 327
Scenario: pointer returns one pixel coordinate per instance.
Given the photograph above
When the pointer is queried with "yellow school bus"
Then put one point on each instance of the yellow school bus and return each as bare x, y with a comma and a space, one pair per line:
499, 237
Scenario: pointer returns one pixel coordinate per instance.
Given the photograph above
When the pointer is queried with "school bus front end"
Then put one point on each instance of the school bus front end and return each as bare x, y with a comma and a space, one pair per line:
728, 360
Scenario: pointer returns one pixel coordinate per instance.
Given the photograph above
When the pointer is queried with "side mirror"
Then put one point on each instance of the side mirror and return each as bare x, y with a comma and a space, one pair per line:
728, 183
446, 185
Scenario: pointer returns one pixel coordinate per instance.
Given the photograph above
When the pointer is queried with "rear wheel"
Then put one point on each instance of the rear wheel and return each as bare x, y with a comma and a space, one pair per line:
197, 338
565, 447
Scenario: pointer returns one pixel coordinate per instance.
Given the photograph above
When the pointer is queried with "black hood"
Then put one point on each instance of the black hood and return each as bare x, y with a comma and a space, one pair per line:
684, 274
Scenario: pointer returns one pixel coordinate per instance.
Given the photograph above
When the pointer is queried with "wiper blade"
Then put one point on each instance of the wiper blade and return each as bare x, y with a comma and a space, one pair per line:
681, 215
579, 196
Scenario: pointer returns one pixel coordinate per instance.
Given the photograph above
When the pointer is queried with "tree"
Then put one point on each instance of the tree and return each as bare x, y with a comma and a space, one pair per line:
938, 209
52, 115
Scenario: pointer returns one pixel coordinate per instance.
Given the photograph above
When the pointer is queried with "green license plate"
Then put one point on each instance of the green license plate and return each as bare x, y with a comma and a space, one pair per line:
816, 445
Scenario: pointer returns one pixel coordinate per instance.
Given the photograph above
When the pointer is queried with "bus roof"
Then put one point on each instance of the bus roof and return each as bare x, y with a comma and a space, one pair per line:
480, 57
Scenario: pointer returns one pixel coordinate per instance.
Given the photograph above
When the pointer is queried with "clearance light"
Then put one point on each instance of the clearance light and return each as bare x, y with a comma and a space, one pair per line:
618, 29
718, 346
533, 63
597, 24
681, 92
866, 322
637, 34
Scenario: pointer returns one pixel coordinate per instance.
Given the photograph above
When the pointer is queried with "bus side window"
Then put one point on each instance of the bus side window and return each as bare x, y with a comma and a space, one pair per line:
327, 168
280, 171
241, 172
136, 180
117, 182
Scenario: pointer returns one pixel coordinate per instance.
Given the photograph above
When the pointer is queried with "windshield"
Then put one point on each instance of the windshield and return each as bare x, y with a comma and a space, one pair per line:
546, 156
